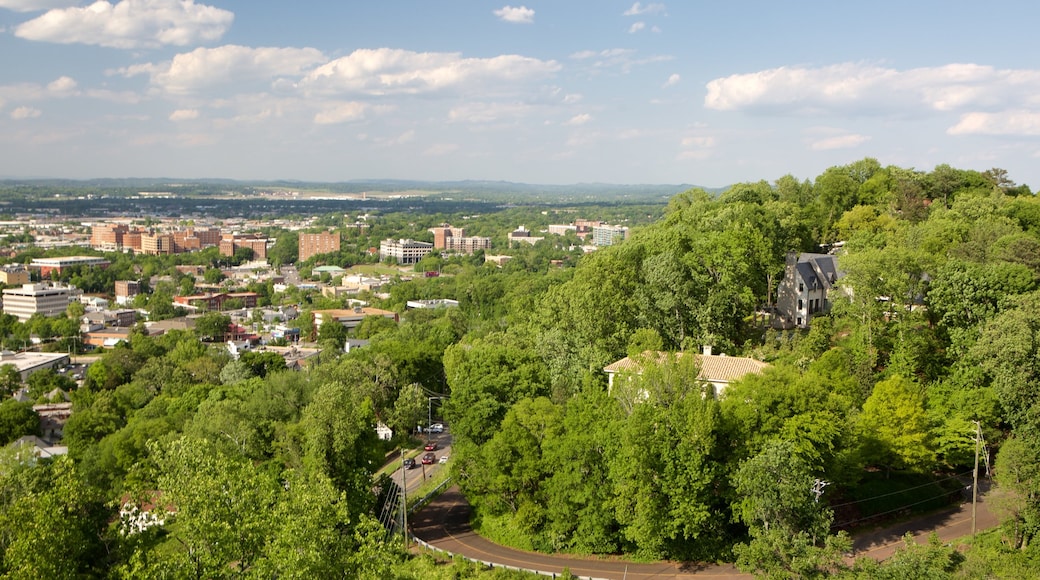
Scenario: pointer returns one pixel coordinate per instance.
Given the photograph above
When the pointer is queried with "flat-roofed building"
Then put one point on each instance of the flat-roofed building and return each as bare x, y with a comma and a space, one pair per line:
349, 318
42, 298
608, 235
28, 363
57, 265
404, 251
126, 290
14, 275
229, 243
314, 244
157, 244
108, 236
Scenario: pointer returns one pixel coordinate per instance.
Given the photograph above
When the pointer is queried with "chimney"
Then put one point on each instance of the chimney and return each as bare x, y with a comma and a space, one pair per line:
706, 350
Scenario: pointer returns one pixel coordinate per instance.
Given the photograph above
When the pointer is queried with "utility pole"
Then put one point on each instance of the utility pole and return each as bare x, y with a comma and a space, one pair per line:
975, 478
404, 505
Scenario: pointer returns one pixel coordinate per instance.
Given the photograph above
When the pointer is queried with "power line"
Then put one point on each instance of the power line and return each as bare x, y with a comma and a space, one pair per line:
900, 508
900, 491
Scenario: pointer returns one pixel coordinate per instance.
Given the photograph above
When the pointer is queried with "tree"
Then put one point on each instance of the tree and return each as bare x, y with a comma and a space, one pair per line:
213, 326
17, 420
10, 380
894, 426
789, 526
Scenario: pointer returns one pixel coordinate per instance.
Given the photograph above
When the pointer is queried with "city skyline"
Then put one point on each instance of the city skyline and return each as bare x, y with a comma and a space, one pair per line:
538, 92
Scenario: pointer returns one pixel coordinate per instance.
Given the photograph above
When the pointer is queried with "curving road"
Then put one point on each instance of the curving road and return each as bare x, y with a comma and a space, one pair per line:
444, 524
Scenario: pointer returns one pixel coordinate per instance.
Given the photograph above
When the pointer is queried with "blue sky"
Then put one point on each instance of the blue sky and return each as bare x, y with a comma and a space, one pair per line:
562, 91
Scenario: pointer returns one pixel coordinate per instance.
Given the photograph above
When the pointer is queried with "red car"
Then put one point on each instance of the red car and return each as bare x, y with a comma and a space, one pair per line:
428, 459
431, 446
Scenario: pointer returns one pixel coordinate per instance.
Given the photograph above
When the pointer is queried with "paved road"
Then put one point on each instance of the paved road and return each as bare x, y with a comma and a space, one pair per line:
420, 473
444, 524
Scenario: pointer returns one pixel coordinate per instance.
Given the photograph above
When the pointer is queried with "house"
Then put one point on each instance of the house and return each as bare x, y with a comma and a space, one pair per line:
383, 432
718, 369
39, 448
806, 289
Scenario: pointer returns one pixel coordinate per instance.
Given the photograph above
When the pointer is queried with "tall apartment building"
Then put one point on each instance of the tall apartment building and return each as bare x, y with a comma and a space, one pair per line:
108, 236
42, 298
404, 251
256, 242
155, 244
454, 240
608, 235
190, 239
313, 244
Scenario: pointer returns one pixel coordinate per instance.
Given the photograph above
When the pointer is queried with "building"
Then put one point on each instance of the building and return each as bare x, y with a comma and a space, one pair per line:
606, 235
14, 275
404, 251
108, 237
215, 301
349, 318
156, 244
46, 266
28, 362
522, 235
428, 304
42, 298
126, 290
455, 240
314, 244
806, 289
718, 370
230, 243
562, 229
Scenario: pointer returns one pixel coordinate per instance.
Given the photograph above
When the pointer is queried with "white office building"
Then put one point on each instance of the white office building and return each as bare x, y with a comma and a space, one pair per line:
43, 298
404, 251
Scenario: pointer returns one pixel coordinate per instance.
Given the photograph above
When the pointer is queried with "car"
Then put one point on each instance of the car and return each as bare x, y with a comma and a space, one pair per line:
436, 428
431, 446
428, 459
443, 459
409, 463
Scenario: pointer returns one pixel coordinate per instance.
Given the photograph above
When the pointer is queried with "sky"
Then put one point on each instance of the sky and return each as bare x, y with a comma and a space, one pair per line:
708, 92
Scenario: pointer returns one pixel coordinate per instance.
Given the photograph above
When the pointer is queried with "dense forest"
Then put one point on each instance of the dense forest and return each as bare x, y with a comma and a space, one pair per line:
264, 472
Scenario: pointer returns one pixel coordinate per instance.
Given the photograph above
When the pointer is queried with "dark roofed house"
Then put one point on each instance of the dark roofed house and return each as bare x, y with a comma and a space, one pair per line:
806, 289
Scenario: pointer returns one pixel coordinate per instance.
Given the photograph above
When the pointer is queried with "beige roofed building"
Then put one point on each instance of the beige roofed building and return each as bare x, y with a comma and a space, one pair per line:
718, 369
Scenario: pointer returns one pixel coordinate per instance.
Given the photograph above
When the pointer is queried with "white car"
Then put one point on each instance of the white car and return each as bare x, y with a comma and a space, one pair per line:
443, 459
436, 428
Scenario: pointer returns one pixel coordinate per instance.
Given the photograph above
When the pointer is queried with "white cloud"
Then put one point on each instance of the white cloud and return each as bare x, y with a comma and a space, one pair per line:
620, 58
130, 24
673, 80
579, 119
571, 99
406, 137
651, 8
636, 27
488, 112
35, 5
341, 113
385, 71
25, 113
62, 86
869, 89
440, 149
698, 142
1016, 122
516, 15
839, 142
184, 115
204, 67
